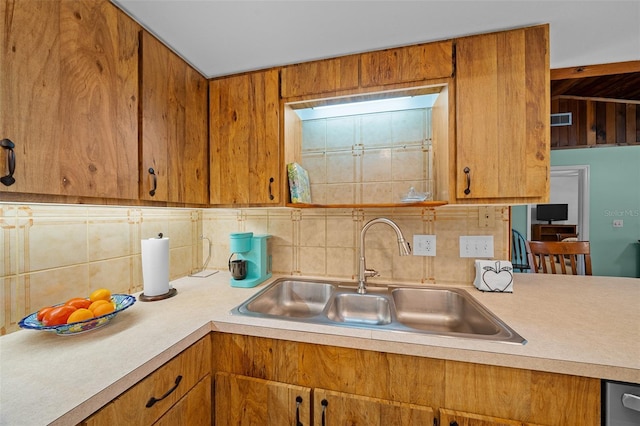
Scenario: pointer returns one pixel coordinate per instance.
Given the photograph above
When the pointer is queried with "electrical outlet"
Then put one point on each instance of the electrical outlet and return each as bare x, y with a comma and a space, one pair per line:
486, 217
424, 245
618, 223
480, 246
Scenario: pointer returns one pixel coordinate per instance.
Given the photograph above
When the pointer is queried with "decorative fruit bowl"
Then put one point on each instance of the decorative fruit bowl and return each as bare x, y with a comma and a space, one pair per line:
122, 302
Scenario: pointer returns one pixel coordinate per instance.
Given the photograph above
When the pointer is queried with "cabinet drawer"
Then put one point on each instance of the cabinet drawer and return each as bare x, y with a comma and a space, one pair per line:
194, 409
172, 381
407, 64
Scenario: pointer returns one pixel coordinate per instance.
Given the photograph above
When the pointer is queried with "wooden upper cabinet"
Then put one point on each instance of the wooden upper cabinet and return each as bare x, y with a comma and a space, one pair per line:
326, 76
407, 64
245, 139
174, 163
69, 98
348, 74
502, 116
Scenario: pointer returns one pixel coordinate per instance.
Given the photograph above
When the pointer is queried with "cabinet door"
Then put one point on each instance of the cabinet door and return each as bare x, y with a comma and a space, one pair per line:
173, 128
245, 139
326, 76
460, 418
194, 409
338, 408
502, 115
241, 400
68, 98
156, 394
407, 64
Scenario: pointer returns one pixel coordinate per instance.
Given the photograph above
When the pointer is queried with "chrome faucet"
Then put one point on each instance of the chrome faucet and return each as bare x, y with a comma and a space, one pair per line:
363, 272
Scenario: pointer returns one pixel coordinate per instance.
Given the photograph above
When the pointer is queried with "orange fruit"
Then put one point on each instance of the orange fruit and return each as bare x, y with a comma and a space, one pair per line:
58, 315
80, 314
100, 294
79, 302
103, 309
97, 303
42, 312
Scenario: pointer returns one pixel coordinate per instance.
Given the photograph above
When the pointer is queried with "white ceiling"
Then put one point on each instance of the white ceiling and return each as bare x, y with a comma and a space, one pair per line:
226, 37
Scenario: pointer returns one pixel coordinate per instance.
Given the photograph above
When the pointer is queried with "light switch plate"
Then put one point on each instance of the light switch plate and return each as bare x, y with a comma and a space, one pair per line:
480, 246
424, 245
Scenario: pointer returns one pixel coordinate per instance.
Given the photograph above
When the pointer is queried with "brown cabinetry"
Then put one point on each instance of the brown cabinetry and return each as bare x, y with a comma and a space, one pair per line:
326, 76
502, 116
338, 408
542, 232
242, 400
174, 160
460, 418
407, 64
355, 74
178, 393
245, 139
68, 96
365, 384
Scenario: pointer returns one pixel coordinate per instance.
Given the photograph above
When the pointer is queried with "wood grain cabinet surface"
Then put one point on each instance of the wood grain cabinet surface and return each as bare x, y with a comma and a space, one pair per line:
243, 400
502, 116
338, 408
368, 387
407, 64
325, 76
181, 388
69, 98
460, 418
245, 139
173, 127
355, 74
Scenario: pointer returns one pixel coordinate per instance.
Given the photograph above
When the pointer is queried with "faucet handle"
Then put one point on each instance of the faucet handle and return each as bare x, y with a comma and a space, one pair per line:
371, 273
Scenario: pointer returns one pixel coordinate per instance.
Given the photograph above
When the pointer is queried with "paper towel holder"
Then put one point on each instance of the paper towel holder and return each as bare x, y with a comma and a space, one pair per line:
172, 291
143, 298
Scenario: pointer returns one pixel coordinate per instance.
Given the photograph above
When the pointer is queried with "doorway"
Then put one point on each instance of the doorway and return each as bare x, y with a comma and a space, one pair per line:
569, 185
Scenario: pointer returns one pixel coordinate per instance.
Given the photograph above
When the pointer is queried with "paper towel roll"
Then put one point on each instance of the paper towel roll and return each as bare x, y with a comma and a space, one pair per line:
155, 266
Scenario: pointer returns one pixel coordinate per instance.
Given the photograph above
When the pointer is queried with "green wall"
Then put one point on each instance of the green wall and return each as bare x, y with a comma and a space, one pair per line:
614, 194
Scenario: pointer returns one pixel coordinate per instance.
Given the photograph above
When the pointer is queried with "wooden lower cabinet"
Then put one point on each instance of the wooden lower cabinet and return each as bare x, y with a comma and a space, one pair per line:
370, 387
194, 409
181, 389
242, 400
332, 408
460, 418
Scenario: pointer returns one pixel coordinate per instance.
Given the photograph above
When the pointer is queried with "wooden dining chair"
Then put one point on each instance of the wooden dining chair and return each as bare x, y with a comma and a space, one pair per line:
559, 257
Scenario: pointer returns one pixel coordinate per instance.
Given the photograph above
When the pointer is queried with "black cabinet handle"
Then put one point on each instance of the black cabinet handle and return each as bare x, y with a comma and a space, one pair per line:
271, 197
153, 399
7, 144
467, 171
298, 402
453, 423
155, 181
324, 403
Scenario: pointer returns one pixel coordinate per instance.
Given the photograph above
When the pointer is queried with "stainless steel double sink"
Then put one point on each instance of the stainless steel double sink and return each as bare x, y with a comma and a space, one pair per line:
440, 311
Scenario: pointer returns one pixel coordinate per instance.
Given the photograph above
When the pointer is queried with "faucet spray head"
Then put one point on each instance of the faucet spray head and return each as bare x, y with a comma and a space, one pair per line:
404, 247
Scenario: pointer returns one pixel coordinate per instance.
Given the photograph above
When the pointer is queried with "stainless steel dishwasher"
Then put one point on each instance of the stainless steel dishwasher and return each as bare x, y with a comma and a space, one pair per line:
620, 404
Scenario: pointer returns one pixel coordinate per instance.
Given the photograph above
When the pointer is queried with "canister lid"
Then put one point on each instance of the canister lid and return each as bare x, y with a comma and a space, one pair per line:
240, 235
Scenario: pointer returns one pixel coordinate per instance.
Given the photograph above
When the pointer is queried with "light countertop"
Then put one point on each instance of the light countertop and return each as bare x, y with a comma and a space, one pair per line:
586, 326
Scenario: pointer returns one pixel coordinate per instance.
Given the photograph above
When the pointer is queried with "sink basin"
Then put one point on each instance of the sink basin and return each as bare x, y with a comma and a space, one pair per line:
360, 309
289, 298
440, 311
